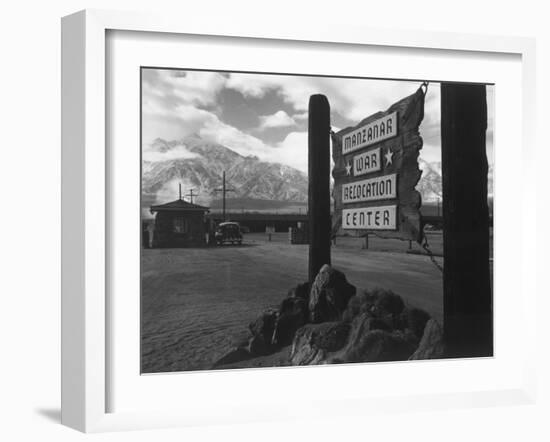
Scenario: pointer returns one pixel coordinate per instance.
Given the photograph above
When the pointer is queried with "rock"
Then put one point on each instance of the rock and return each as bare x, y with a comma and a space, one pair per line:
413, 319
329, 295
313, 341
293, 314
235, 355
432, 345
293, 305
353, 308
379, 303
240, 339
306, 354
377, 346
365, 323
257, 346
360, 326
386, 303
360, 303
264, 325
300, 291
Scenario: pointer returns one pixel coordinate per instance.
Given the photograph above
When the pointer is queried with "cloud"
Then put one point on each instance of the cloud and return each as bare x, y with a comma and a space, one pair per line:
430, 152
278, 119
173, 102
177, 120
178, 152
292, 151
216, 131
199, 88
172, 122
253, 85
353, 99
171, 109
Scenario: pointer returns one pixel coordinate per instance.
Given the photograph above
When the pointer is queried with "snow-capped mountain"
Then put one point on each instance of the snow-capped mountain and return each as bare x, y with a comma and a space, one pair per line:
199, 165
430, 184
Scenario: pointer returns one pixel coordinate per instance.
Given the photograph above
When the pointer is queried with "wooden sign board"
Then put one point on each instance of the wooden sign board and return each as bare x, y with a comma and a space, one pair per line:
376, 171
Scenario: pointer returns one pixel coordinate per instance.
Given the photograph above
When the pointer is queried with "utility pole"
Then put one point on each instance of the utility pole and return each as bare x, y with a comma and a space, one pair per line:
191, 195
224, 190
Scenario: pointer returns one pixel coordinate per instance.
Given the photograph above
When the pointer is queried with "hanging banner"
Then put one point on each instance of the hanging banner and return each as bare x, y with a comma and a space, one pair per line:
376, 171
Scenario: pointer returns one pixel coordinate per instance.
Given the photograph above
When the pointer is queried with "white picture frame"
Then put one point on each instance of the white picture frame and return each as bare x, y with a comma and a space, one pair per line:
85, 198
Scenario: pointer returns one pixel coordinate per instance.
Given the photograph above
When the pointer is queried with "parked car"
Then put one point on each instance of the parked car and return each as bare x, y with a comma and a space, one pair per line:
228, 232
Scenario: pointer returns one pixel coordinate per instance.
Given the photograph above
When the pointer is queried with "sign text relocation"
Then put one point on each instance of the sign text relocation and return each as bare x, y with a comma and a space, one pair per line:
373, 189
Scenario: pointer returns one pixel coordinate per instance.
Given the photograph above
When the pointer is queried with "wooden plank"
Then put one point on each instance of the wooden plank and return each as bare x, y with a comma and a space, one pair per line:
398, 154
319, 184
370, 132
372, 189
366, 162
370, 218
468, 319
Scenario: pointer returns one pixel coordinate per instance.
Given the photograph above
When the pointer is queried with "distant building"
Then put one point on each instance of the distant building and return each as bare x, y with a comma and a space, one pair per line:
180, 224
259, 222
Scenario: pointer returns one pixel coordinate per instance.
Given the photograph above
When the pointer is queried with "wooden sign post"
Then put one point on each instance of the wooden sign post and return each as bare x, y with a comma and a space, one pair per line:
376, 171
319, 184
468, 318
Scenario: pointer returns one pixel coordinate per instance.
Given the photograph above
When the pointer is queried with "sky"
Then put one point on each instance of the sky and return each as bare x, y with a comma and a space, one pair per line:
266, 115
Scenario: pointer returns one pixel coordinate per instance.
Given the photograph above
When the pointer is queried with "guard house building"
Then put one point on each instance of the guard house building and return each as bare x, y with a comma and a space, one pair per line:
179, 224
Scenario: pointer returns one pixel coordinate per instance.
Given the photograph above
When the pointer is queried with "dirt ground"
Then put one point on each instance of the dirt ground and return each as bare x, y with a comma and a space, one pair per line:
197, 302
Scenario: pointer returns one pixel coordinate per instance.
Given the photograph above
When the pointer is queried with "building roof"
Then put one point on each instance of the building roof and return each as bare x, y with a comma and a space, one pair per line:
178, 206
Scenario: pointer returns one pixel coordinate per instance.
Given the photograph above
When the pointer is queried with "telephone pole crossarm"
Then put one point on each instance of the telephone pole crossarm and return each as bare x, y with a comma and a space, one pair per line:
191, 195
224, 190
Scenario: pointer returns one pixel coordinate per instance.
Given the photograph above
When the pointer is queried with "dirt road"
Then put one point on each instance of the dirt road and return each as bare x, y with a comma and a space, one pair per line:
197, 302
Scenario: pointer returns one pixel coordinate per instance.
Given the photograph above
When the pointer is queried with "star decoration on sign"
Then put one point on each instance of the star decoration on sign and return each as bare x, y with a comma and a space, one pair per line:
348, 169
389, 157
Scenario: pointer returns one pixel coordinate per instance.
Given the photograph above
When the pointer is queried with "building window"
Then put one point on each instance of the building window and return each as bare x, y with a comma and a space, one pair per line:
181, 225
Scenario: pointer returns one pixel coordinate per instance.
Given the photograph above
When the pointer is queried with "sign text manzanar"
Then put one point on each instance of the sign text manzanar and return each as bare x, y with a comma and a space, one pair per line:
376, 172
370, 133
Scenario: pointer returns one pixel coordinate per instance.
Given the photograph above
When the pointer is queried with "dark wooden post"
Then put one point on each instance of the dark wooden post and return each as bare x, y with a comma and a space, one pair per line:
468, 312
319, 186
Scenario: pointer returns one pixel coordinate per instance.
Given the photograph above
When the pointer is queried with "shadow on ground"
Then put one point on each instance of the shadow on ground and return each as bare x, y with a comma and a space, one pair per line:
51, 414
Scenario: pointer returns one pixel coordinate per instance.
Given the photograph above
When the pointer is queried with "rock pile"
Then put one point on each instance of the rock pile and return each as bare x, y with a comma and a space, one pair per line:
330, 323
329, 295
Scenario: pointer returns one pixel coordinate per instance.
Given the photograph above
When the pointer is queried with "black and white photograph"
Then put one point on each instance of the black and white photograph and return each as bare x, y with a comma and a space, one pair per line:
292, 220
238, 221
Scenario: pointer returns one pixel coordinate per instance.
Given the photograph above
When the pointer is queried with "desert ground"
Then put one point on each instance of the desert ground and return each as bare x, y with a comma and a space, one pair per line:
197, 302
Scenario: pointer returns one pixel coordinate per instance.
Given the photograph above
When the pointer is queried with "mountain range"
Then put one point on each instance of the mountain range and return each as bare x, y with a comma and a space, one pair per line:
199, 165
252, 184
